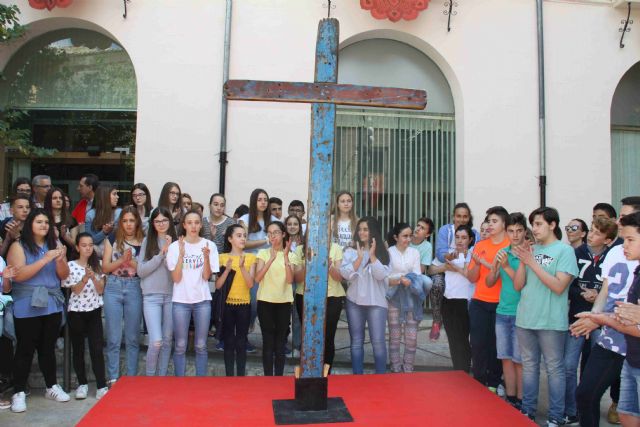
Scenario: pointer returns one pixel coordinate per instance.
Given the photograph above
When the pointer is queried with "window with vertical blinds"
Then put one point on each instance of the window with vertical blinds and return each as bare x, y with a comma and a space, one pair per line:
399, 165
625, 174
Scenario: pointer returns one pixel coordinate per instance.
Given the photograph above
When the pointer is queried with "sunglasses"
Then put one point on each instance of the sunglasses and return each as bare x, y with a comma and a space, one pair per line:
571, 228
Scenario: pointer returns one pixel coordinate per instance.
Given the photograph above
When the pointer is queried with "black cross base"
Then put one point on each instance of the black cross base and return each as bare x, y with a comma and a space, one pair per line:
311, 405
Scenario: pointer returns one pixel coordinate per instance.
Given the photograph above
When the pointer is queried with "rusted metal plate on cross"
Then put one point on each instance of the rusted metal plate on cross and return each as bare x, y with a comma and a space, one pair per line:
324, 94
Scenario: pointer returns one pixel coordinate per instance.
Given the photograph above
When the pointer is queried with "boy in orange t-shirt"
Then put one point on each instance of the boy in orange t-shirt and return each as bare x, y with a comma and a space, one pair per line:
482, 308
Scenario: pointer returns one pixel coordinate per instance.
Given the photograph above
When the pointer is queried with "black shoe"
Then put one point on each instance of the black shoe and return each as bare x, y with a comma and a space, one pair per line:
570, 419
5, 384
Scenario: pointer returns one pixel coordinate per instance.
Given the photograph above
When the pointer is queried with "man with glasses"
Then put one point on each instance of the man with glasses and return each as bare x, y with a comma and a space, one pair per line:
87, 189
41, 185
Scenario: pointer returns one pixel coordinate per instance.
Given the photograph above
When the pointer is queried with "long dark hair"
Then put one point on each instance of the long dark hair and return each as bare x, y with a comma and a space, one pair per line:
65, 216
28, 240
93, 261
152, 248
102, 206
464, 205
374, 233
147, 203
391, 236
163, 200
226, 247
254, 225
283, 228
584, 228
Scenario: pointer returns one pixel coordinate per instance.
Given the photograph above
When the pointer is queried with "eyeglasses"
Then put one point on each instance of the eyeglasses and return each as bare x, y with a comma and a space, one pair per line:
174, 193
139, 195
571, 228
160, 221
274, 233
44, 186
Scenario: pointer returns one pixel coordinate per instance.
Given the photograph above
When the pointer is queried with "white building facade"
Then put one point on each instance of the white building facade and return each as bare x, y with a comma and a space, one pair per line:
481, 78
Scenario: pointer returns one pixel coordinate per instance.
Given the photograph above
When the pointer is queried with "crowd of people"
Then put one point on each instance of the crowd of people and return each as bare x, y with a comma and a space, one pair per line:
507, 295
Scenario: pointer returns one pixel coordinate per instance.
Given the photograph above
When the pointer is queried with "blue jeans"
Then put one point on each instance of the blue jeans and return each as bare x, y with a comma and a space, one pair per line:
572, 351
507, 346
122, 299
376, 318
253, 292
158, 316
181, 318
629, 390
549, 344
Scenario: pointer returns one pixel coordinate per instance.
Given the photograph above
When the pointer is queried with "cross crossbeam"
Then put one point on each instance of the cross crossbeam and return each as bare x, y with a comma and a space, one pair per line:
321, 92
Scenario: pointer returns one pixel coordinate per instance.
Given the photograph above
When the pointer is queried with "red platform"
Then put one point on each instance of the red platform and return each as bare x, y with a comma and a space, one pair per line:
419, 399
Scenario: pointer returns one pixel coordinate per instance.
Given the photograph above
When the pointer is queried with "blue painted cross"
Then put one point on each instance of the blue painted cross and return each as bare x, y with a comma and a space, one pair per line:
323, 94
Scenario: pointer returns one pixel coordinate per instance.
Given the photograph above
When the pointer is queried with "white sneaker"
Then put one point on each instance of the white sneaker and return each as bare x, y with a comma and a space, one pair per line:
101, 392
57, 393
81, 391
18, 402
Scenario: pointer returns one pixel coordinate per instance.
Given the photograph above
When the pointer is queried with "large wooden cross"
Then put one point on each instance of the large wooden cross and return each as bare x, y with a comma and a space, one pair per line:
323, 94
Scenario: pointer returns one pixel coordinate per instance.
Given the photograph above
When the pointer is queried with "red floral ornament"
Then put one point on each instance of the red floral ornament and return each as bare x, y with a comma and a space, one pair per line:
395, 10
49, 4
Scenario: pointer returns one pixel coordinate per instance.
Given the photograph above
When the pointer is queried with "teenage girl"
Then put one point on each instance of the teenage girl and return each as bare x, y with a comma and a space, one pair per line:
170, 197
141, 199
237, 305
86, 282
192, 260
405, 297
344, 220
101, 220
274, 273
455, 311
122, 294
157, 290
215, 225
366, 266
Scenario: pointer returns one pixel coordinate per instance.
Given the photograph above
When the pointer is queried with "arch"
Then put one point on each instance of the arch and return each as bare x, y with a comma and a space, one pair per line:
625, 136
400, 165
78, 84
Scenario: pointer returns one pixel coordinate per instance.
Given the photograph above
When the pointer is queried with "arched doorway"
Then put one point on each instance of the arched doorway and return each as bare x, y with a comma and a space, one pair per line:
400, 165
625, 137
77, 90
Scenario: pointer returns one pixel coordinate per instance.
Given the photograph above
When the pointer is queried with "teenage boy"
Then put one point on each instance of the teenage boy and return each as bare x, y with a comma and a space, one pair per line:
275, 207
582, 294
296, 207
482, 308
607, 355
420, 241
11, 227
20, 185
507, 348
627, 321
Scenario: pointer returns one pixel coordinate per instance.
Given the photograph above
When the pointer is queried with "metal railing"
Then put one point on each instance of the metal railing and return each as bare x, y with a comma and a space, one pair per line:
400, 166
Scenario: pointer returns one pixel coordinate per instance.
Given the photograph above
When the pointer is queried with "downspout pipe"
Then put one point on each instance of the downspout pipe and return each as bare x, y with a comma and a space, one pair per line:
542, 141
223, 110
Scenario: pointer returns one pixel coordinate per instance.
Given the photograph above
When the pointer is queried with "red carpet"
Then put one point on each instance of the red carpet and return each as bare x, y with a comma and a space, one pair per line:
419, 399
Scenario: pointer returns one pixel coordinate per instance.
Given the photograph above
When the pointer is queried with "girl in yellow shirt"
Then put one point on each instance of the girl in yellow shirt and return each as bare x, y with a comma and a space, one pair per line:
275, 295
237, 308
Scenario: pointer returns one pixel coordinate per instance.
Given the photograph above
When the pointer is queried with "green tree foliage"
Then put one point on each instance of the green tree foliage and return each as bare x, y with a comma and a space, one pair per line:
11, 134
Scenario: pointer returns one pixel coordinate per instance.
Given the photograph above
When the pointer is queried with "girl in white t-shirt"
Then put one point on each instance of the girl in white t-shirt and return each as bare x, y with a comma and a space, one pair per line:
344, 219
86, 282
455, 312
192, 260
